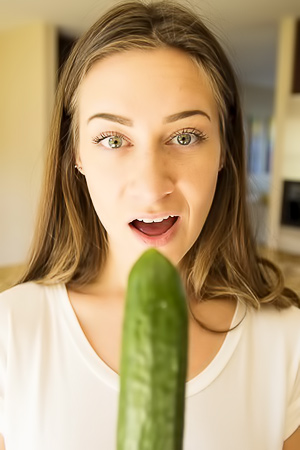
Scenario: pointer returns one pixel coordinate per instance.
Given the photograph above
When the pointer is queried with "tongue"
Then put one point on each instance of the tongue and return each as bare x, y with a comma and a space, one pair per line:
154, 228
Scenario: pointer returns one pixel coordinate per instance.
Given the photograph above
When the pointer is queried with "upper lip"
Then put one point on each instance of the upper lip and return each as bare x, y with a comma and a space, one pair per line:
153, 216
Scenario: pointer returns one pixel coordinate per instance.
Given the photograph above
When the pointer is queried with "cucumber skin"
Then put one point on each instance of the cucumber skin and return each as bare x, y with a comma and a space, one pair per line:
154, 357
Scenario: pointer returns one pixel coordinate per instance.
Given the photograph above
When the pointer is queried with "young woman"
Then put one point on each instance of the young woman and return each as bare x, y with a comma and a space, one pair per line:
147, 151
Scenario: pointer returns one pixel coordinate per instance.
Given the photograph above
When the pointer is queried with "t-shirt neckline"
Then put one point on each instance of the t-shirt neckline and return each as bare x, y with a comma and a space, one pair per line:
112, 379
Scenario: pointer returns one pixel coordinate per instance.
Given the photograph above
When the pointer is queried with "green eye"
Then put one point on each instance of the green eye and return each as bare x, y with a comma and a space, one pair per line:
111, 140
115, 142
187, 137
184, 138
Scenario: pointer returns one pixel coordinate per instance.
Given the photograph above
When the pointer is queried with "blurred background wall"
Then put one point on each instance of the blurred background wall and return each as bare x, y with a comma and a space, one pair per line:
27, 84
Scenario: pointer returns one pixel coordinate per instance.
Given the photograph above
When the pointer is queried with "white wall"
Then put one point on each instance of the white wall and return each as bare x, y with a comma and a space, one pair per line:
286, 161
258, 101
27, 83
258, 105
291, 140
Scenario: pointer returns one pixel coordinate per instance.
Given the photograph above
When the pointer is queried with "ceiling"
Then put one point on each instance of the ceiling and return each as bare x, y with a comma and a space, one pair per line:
248, 29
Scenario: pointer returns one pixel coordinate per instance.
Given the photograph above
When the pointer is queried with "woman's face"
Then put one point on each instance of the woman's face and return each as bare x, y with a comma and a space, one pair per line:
149, 147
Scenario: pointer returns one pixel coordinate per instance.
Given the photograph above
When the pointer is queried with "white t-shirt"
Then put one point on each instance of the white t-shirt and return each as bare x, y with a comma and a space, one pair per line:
57, 394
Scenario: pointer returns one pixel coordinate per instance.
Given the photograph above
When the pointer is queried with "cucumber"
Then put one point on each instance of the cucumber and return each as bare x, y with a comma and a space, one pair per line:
153, 358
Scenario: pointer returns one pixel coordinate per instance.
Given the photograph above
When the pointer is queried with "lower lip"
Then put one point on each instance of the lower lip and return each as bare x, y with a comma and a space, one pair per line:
161, 239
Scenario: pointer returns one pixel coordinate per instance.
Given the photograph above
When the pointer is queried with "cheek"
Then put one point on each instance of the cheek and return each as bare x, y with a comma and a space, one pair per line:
102, 189
202, 189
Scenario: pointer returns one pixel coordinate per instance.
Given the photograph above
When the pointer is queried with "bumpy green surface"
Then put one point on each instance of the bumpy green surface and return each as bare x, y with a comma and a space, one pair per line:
154, 357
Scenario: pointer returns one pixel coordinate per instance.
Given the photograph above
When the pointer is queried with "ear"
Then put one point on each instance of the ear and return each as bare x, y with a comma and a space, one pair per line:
222, 160
78, 166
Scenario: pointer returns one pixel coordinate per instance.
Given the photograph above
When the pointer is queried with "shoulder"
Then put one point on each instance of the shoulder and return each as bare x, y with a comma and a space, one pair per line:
21, 296
269, 315
275, 328
21, 290
27, 292
25, 302
27, 313
286, 320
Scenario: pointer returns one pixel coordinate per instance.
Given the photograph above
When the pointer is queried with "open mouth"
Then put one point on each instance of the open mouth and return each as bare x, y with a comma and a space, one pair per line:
154, 228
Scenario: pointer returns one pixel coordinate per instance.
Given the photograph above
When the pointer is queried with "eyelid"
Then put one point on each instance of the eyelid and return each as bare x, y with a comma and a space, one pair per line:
199, 134
107, 134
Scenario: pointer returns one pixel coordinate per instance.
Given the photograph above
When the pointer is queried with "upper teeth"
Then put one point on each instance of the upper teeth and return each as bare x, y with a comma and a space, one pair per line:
159, 219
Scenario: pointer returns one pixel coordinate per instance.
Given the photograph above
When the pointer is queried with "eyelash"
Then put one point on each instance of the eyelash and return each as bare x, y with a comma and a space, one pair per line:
200, 136
193, 131
107, 134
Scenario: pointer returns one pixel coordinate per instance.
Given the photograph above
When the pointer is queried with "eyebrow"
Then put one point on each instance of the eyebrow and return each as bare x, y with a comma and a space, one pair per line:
112, 118
169, 119
184, 114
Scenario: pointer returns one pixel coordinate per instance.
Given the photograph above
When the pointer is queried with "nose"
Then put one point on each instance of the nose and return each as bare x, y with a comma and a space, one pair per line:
152, 177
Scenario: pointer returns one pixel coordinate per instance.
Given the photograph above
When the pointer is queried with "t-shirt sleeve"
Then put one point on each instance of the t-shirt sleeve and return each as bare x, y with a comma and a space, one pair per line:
1, 416
3, 357
293, 410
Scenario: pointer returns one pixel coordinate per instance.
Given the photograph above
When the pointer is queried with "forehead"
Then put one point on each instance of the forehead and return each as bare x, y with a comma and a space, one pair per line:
136, 78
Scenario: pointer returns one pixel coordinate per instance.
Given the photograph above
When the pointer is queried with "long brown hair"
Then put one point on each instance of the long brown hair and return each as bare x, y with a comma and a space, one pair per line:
70, 242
